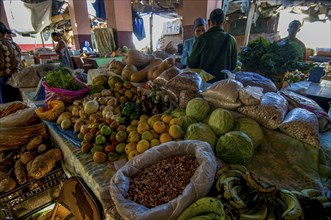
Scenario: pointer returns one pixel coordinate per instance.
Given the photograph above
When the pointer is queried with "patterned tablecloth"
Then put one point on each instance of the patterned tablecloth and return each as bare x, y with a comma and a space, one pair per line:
280, 160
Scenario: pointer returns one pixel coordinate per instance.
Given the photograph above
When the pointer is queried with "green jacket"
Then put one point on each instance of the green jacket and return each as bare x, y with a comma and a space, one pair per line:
206, 52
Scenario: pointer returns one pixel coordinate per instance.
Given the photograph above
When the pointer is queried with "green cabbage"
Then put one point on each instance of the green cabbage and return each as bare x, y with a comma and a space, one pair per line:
235, 147
201, 131
221, 121
177, 112
198, 108
251, 128
187, 121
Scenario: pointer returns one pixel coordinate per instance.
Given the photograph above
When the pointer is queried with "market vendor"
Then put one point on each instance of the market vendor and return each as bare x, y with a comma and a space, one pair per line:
293, 29
10, 60
62, 50
200, 26
215, 50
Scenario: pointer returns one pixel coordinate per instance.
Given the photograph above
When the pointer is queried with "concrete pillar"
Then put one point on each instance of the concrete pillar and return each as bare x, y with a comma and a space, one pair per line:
80, 22
119, 18
194, 9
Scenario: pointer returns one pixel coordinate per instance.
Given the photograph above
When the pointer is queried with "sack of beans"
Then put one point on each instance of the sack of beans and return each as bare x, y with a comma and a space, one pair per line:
164, 180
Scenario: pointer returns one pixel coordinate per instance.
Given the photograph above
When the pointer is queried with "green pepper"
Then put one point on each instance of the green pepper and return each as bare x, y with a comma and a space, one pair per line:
134, 116
126, 111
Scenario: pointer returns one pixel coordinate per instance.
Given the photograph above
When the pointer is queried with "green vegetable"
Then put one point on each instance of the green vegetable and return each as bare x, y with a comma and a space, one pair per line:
187, 121
221, 121
251, 128
272, 60
62, 78
235, 147
201, 131
198, 108
177, 112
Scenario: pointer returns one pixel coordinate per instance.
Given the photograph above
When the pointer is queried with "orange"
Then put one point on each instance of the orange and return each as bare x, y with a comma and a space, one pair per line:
153, 119
147, 135
143, 126
165, 137
159, 126
155, 142
143, 118
130, 147
176, 121
176, 131
133, 136
132, 154
142, 146
166, 118
134, 122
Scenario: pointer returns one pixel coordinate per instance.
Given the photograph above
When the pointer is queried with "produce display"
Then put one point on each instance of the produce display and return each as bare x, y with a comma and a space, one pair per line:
143, 103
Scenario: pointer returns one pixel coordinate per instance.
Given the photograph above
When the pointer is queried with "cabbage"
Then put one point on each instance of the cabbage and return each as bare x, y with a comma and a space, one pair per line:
187, 121
221, 121
177, 112
201, 131
198, 108
235, 147
251, 128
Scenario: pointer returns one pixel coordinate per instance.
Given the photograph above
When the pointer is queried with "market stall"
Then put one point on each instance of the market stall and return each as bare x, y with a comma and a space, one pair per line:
271, 143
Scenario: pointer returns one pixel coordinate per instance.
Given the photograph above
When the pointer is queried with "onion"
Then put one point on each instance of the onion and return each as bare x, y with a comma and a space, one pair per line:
91, 106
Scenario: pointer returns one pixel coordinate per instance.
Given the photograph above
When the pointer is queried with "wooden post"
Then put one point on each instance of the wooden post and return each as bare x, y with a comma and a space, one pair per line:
249, 22
42, 38
151, 33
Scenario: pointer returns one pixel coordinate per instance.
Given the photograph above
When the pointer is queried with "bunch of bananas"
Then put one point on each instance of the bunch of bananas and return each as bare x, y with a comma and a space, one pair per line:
205, 208
245, 197
315, 204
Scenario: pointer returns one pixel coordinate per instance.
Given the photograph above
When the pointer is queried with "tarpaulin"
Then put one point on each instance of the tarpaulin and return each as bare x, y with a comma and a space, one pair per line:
28, 17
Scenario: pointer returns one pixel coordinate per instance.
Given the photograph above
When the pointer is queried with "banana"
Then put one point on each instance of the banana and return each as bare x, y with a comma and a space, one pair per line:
229, 167
201, 206
293, 208
260, 213
311, 192
229, 174
231, 194
255, 185
299, 195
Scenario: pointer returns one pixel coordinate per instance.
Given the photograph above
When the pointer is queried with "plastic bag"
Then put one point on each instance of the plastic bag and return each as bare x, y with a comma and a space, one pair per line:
64, 95
270, 112
26, 78
185, 96
299, 101
199, 185
166, 76
219, 103
226, 90
255, 79
204, 75
251, 95
302, 125
186, 80
18, 118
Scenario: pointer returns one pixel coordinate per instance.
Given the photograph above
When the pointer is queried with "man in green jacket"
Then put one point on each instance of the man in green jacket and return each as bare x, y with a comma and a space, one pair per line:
215, 50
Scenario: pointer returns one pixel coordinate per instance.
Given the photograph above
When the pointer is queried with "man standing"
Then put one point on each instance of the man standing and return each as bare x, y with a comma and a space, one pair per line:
10, 59
215, 50
293, 29
200, 26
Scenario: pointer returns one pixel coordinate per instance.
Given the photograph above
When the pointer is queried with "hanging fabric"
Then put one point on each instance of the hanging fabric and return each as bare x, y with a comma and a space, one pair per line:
99, 7
138, 26
26, 17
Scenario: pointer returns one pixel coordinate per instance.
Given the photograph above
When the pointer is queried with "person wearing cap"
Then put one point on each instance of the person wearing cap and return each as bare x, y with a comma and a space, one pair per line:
200, 26
10, 60
61, 49
215, 50
293, 29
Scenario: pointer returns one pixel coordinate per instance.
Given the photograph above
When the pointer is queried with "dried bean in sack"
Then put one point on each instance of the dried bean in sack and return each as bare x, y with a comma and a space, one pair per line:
302, 125
185, 96
251, 95
164, 180
270, 112
166, 76
226, 90
186, 80
255, 79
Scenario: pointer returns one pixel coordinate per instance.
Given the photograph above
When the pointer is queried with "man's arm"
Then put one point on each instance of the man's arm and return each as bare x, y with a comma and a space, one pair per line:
234, 53
193, 61
185, 53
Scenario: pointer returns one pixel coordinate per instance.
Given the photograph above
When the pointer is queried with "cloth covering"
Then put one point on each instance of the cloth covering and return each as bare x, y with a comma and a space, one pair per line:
36, 16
